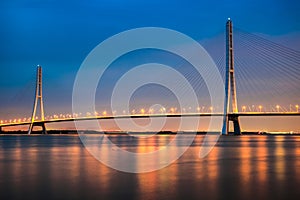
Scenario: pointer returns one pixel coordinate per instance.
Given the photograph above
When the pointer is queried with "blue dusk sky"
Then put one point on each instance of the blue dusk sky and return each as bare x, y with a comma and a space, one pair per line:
59, 34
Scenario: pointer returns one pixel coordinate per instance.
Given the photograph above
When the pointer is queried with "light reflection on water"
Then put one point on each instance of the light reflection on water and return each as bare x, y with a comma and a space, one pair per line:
246, 167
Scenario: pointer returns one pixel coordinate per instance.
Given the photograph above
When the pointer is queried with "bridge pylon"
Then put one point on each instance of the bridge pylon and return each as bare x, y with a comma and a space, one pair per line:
230, 86
38, 99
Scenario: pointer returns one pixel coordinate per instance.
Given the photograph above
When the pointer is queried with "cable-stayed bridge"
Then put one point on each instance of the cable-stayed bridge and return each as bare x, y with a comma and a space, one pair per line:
261, 50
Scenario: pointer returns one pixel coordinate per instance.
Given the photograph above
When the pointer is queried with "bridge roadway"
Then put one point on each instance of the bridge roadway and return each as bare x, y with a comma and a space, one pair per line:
168, 115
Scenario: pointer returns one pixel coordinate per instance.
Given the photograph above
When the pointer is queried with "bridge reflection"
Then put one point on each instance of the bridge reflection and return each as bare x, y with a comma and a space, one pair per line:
262, 167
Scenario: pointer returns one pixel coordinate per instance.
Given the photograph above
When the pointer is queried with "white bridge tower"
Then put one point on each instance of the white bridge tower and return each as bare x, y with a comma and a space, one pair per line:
38, 99
230, 86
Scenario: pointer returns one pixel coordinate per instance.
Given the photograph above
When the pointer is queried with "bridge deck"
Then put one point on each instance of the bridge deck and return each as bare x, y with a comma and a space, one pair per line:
168, 115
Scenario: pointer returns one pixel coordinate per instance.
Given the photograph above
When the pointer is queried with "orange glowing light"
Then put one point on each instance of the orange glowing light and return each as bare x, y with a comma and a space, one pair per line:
172, 110
277, 107
151, 110
162, 110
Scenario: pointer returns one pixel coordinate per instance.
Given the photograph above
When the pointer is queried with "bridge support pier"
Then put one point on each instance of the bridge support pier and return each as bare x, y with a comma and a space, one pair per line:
41, 124
236, 124
0, 129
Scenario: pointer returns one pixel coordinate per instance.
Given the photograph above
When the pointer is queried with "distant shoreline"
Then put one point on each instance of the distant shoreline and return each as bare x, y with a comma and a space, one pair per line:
75, 132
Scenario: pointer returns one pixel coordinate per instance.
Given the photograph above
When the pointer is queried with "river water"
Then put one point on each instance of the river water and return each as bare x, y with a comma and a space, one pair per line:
238, 167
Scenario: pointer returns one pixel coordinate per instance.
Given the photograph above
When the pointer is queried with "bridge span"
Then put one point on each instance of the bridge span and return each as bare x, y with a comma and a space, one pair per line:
145, 116
228, 114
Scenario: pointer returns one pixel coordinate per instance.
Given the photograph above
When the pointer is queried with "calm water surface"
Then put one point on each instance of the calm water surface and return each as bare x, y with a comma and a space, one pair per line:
59, 167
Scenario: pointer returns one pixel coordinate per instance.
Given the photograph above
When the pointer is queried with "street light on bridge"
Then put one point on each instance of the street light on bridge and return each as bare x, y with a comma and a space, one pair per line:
260, 107
297, 108
243, 108
151, 111
162, 110
172, 110
277, 107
